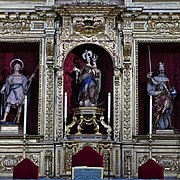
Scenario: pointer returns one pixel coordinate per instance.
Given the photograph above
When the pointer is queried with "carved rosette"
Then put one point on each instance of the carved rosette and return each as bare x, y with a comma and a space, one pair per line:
49, 102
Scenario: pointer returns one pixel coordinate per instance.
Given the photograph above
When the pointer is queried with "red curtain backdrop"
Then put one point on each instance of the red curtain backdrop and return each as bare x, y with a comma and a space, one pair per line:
104, 63
29, 54
169, 54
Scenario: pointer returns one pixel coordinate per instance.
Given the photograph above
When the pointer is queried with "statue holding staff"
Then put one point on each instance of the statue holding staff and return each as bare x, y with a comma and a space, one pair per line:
15, 89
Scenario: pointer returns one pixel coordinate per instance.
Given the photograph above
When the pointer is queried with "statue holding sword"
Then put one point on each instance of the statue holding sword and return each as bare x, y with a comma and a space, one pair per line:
159, 88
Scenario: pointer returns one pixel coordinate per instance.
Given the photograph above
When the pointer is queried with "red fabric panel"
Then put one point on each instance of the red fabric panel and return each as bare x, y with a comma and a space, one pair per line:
169, 54
26, 169
87, 157
150, 170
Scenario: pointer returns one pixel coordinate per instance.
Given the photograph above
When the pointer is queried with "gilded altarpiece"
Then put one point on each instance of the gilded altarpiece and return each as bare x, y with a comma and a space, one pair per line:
123, 34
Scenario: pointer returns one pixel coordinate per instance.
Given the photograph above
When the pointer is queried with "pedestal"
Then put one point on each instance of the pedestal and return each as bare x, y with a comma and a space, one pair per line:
10, 128
87, 116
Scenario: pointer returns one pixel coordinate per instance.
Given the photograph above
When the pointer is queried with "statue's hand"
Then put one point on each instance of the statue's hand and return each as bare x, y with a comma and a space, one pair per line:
76, 69
149, 75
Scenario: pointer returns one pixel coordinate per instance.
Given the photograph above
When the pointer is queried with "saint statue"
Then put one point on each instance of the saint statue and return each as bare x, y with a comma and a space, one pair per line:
159, 88
15, 89
89, 80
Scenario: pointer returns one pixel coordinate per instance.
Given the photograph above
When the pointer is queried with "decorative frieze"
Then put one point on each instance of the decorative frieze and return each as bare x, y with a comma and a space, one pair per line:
163, 26
15, 26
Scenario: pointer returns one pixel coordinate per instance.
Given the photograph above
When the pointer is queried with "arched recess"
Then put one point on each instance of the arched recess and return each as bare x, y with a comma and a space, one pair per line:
104, 64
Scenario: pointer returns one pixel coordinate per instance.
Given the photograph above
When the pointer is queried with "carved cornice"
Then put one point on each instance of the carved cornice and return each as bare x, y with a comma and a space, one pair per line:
88, 9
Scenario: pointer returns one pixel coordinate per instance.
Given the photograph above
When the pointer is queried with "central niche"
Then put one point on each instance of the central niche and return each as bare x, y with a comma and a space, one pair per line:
96, 60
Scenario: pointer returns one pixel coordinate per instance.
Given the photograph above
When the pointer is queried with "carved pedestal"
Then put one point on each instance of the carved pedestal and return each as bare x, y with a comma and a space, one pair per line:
88, 116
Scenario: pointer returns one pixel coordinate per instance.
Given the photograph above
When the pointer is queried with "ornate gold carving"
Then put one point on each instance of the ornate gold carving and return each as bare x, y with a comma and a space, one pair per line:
117, 160
50, 47
127, 45
169, 162
127, 101
86, 9
48, 162
103, 148
59, 114
8, 162
15, 26
163, 26
127, 163
87, 116
127, 51
88, 25
49, 103
38, 25
116, 104
139, 26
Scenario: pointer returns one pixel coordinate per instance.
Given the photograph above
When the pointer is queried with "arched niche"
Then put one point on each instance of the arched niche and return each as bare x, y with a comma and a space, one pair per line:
104, 64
